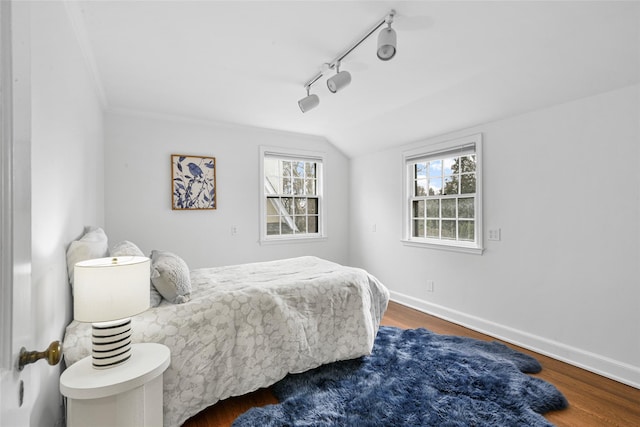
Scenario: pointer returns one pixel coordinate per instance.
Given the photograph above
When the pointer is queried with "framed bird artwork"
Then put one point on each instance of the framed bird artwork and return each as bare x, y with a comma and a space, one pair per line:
193, 183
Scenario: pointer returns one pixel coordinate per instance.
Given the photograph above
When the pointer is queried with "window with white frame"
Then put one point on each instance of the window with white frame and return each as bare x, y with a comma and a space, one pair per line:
443, 189
292, 206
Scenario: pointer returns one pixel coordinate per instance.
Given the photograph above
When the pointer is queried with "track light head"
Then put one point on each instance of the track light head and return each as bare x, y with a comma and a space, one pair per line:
339, 81
309, 102
387, 43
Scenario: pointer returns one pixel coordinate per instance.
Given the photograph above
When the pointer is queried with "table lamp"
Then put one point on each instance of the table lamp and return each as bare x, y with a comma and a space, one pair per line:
107, 292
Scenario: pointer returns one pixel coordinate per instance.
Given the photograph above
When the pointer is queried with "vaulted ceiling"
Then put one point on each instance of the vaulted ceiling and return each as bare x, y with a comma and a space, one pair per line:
458, 64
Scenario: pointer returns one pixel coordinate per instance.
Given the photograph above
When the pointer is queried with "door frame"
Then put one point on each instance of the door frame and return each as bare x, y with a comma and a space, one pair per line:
15, 213
15, 159
6, 186
15, 180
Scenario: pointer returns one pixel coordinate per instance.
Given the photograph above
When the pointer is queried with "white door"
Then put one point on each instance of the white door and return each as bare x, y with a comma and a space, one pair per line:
17, 392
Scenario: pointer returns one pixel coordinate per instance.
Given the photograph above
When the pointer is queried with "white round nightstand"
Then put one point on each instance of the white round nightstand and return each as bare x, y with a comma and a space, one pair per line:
126, 395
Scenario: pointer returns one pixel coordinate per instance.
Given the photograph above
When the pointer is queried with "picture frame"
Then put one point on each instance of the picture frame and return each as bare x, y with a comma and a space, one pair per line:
193, 182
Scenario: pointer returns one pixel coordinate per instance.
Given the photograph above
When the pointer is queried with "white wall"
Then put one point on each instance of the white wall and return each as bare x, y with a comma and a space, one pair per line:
67, 190
563, 184
138, 191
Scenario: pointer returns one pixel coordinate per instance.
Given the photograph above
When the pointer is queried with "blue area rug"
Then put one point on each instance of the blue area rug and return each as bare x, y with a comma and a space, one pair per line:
415, 378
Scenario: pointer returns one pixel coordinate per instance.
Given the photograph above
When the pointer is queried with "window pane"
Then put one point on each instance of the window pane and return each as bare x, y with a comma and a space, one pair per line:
310, 186
300, 206
420, 170
465, 208
312, 206
468, 183
433, 208
310, 169
448, 229
285, 227
468, 163
418, 228
287, 204
273, 184
435, 168
272, 205
312, 224
286, 186
301, 224
449, 208
466, 230
298, 169
286, 168
451, 185
298, 186
435, 186
273, 225
418, 208
420, 188
433, 228
448, 165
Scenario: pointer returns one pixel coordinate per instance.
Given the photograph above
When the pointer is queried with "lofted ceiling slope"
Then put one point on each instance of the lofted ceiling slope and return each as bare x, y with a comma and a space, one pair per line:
458, 64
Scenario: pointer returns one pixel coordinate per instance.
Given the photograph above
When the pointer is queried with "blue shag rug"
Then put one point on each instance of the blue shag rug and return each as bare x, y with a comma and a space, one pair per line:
415, 378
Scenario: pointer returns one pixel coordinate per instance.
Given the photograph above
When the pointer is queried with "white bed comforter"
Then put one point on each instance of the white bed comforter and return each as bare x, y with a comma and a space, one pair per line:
248, 325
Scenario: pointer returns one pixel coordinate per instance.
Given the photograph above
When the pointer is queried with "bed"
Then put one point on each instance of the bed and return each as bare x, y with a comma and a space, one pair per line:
246, 326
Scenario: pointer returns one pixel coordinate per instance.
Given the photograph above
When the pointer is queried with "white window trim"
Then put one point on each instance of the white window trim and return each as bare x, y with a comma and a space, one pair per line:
322, 222
447, 245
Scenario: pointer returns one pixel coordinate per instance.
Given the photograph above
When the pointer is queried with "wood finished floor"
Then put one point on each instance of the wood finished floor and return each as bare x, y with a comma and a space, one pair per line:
594, 401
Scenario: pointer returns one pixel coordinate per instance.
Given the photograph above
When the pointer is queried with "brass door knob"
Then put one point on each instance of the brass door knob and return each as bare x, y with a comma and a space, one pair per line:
53, 354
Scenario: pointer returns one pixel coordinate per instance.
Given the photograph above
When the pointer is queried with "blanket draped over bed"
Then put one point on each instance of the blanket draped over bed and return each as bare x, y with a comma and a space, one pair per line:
248, 325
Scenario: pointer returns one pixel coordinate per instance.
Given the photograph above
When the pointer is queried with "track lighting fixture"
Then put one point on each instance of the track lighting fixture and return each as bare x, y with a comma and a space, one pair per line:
339, 81
308, 102
386, 51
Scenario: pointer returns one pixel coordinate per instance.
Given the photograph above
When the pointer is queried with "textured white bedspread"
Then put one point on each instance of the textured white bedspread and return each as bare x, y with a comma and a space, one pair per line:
248, 325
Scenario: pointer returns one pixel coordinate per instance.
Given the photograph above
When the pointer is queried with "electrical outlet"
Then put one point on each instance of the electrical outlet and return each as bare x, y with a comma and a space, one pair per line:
374, 228
494, 234
234, 230
430, 286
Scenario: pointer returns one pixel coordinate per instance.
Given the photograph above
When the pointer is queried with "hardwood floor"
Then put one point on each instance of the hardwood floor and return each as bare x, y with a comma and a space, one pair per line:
594, 401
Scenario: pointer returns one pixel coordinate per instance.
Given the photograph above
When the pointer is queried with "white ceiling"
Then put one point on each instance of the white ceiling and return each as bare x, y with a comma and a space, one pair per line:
458, 63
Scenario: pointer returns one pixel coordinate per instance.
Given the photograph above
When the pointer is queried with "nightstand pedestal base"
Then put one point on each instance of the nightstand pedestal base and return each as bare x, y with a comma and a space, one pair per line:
128, 395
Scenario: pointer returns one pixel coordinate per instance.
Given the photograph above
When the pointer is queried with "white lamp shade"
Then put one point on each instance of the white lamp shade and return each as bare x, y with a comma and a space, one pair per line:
107, 289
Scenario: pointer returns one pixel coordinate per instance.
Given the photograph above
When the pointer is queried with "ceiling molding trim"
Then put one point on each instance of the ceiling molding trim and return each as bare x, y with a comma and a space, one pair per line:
176, 118
80, 30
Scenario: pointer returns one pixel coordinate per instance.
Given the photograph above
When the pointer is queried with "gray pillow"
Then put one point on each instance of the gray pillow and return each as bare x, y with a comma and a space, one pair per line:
170, 276
127, 248
92, 244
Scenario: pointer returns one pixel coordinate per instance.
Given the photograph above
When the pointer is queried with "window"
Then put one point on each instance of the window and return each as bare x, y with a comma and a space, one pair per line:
292, 204
443, 203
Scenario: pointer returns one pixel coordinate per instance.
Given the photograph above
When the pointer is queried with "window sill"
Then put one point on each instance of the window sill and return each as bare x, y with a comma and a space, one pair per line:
444, 247
290, 240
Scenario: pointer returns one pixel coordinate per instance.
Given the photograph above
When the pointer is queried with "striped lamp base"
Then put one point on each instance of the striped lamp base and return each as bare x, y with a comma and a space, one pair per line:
111, 343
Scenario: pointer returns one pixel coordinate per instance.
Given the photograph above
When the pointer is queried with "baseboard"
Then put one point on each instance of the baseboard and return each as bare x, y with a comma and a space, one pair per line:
601, 365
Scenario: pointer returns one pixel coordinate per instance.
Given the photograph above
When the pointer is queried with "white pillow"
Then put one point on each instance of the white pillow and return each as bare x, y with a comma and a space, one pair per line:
127, 248
170, 276
93, 244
